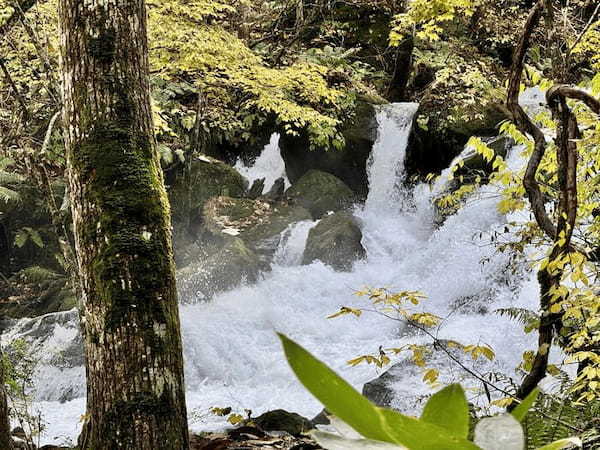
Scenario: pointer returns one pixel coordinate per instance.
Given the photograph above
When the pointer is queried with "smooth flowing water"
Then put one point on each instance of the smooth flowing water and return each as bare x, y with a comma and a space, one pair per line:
233, 357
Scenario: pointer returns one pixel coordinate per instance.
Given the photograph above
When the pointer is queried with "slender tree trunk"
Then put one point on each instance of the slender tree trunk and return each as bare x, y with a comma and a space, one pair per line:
130, 321
5, 438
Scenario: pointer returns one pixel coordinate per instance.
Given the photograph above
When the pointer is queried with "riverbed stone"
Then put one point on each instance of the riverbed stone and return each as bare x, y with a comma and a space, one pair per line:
348, 163
321, 192
189, 190
259, 223
336, 241
281, 420
228, 268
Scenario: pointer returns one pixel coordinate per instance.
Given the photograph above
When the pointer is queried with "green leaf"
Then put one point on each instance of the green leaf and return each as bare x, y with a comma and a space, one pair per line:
36, 238
372, 422
335, 442
21, 238
521, 410
449, 409
563, 443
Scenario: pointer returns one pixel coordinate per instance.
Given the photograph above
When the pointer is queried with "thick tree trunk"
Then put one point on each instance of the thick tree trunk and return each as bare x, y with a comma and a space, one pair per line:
5, 438
130, 321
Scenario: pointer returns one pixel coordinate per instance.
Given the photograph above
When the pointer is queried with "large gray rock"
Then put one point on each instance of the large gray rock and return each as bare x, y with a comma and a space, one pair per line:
226, 269
320, 192
335, 240
348, 163
189, 190
432, 148
470, 168
257, 222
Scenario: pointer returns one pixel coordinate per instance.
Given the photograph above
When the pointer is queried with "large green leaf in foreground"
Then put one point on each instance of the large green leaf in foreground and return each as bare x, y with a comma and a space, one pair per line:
372, 422
449, 409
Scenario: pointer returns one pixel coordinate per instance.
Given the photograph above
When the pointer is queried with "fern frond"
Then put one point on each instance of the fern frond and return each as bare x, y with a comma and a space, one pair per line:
8, 195
37, 275
521, 315
9, 178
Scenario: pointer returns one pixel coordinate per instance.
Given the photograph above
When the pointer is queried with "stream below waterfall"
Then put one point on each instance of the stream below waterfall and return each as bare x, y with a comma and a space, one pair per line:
233, 356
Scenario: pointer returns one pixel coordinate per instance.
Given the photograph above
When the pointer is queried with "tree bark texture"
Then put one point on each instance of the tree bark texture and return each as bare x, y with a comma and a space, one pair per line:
130, 321
5, 437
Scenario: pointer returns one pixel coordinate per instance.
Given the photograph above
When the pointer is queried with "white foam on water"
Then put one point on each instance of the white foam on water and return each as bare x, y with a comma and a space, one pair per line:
232, 354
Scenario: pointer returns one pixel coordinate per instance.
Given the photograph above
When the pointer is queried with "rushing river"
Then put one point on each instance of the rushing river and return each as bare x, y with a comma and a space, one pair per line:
233, 357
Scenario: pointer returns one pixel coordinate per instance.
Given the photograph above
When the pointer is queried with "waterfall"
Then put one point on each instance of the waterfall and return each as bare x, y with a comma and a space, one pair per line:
233, 357
386, 162
269, 165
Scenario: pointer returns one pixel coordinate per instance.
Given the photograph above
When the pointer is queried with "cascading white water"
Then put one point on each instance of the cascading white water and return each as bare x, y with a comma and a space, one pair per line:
293, 242
269, 165
233, 357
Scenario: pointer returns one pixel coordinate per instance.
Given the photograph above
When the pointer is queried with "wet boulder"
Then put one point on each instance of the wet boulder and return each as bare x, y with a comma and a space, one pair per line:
349, 163
470, 168
281, 420
472, 164
189, 189
402, 388
336, 241
320, 192
258, 223
437, 138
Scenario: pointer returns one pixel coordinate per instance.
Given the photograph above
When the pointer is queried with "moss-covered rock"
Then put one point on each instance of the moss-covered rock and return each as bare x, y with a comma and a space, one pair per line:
472, 168
348, 163
336, 240
189, 189
257, 222
321, 192
226, 269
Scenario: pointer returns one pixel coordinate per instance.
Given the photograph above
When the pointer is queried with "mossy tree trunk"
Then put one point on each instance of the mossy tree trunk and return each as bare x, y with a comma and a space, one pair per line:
134, 365
5, 438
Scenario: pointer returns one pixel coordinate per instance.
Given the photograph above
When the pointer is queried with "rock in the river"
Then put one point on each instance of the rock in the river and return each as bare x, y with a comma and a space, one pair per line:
335, 240
234, 264
281, 420
402, 387
321, 192
277, 191
189, 190
348, 163
257, 222
467, 169
473, 164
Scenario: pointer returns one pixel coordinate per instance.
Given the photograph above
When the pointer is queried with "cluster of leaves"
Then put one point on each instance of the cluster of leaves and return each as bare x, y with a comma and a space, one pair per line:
576, 299
444, 423
19, 368
190, 42
400, 306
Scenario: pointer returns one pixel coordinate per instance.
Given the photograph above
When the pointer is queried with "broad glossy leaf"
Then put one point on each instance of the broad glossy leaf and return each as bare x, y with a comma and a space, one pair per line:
334, 442
374, 423
449, 409
563, 443
520, 412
